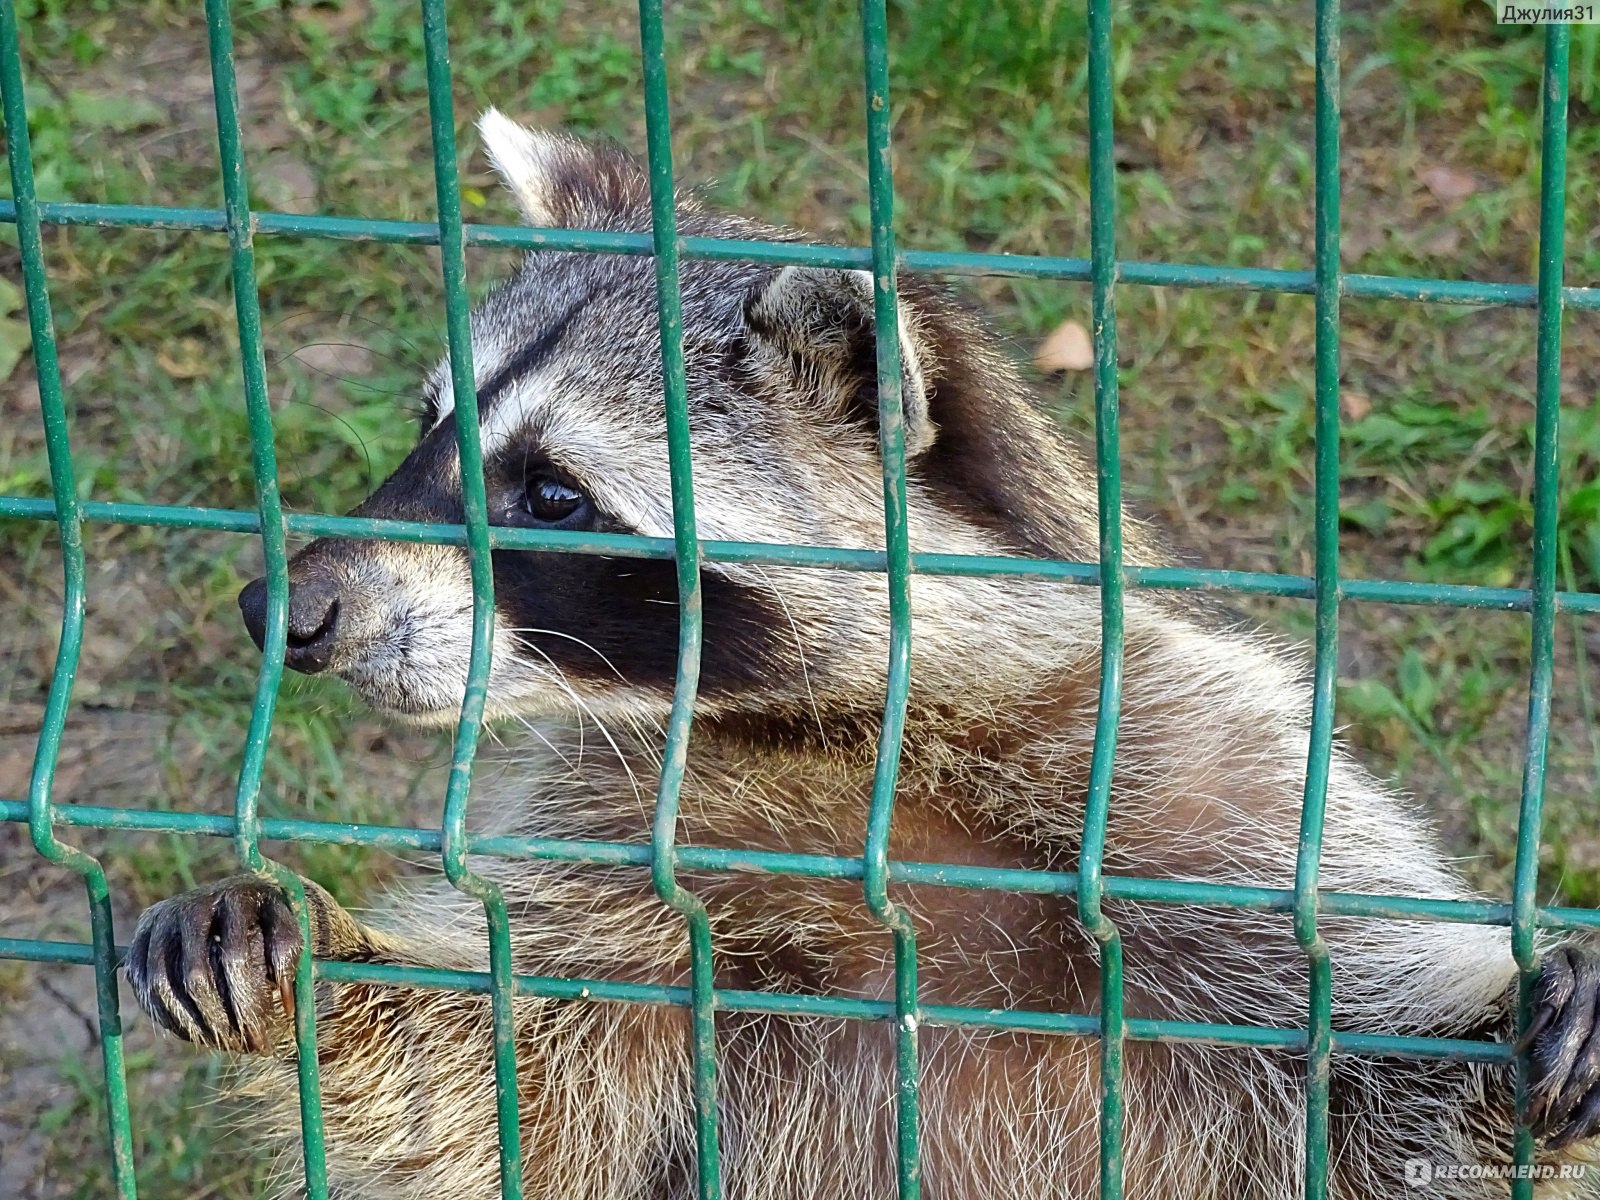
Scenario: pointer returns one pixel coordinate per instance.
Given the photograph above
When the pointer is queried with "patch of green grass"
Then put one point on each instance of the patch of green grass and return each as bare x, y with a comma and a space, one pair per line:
1213, 113
176, 1154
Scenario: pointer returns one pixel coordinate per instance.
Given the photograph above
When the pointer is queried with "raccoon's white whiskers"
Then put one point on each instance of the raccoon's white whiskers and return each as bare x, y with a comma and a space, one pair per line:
583, 707
534, 729
589, 646
647, 742
634, 722
800, 649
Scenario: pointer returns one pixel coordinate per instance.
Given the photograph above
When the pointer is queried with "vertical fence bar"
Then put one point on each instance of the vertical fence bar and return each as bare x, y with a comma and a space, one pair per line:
691, 610
1319, 1029
463, 385
264, 469
63, 485
1108, 466
1547, 416
892, 450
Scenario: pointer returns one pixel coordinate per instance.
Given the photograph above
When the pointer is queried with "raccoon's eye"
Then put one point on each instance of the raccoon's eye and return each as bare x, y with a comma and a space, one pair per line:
547, 499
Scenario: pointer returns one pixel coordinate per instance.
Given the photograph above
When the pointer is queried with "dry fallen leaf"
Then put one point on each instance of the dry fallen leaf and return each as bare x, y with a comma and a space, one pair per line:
1354, 405
15, 336
1448, 184
186, 358
1443, 244
287, 184
1068, 348
1354, 244
15, 341
339, 359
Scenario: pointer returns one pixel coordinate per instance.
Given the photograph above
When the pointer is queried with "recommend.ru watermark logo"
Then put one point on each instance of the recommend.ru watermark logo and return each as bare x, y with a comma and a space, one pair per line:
1526, 12
1421, 1173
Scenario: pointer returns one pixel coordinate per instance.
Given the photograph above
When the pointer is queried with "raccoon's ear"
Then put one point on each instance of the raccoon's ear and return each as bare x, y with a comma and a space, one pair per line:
560, 181
817, 325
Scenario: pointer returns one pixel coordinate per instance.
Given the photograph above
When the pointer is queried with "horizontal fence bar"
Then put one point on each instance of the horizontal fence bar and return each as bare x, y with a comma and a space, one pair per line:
790, 1004
1151, 274
815, 866
623, 545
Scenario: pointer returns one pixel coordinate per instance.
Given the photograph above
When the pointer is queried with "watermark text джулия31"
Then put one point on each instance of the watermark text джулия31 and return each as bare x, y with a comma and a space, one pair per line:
1530, 12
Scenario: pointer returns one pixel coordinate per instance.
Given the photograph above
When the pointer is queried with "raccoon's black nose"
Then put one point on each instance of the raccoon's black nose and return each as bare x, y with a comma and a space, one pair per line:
313, 621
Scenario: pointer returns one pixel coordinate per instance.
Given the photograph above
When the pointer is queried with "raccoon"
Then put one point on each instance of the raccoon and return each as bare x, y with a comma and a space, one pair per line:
1207, 784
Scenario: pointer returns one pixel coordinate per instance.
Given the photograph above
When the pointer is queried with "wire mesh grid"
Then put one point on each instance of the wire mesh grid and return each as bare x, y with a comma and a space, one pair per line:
1088, 885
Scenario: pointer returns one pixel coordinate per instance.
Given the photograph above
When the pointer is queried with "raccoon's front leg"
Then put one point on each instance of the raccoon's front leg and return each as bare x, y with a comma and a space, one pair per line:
216, 965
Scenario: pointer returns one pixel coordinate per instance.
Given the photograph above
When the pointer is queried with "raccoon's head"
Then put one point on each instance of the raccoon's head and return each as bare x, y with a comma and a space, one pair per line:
782, 398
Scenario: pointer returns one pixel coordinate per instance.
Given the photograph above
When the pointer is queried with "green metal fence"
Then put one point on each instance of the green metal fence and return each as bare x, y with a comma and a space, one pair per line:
661, 856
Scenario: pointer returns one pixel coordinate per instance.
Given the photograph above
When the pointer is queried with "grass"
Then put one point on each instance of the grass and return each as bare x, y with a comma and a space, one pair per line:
1213, 110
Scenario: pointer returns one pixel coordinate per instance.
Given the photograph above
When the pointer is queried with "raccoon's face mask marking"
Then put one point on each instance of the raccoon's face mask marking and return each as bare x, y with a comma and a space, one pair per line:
783, 399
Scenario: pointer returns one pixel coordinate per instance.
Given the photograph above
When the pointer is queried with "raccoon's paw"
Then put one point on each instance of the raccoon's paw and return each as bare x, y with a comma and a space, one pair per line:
216, 965
1564, 1040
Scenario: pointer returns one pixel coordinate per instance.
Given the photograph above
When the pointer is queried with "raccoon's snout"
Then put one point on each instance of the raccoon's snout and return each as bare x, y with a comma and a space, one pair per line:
313, 620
